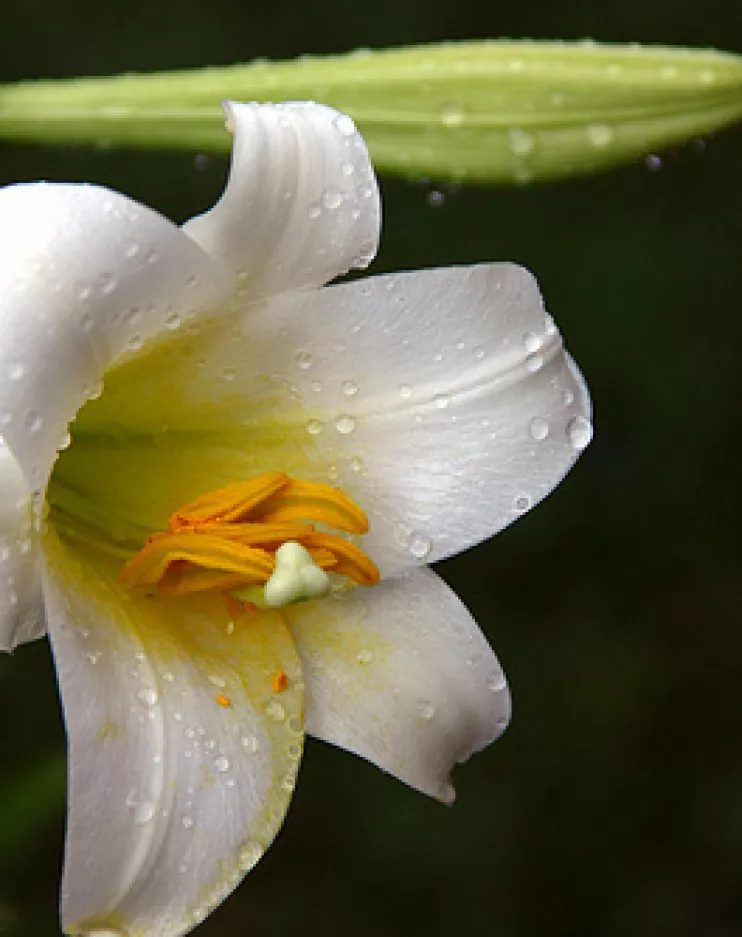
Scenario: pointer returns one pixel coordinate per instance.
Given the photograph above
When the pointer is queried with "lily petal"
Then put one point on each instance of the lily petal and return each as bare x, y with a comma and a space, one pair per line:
86, 275
302, 204
442, 401
402, 676
182, 757
21, 603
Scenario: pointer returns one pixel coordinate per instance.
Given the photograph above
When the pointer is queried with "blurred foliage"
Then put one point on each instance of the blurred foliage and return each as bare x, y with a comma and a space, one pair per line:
612, 805
490, 111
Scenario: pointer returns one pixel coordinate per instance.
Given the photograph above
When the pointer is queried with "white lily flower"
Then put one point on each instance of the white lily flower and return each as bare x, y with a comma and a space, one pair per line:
180, 409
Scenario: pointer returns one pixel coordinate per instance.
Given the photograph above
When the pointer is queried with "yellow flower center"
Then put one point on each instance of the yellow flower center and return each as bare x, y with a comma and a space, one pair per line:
256, 540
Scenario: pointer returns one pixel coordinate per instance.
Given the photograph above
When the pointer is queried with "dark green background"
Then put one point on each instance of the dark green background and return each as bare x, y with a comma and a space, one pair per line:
613, 805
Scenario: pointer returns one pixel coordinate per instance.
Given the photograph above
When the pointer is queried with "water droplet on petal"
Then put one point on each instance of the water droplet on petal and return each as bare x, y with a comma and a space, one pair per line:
332, 198
350, 388
364, 656
496, 682
172, 321
538, 428
344, 125
345, 424
32, 421
405, 391
419, 545
426, 710
532, 342
315, 427
521, 503
579, 432
15, 370
303, 360
221, 764
534, 363
187, 821
147, 696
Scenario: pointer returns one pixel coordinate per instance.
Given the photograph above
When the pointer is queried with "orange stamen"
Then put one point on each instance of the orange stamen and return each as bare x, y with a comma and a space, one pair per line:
223, 700
226, 540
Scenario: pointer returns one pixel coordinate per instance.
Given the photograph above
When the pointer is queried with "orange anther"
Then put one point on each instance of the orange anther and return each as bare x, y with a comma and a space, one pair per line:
223, 700
280, 682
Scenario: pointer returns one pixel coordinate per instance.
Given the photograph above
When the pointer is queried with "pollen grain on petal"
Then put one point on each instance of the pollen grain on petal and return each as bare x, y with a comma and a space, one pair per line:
280, 682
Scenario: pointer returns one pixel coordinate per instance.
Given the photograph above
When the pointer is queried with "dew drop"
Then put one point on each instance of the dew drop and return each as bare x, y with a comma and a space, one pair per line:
599, 135
568, 397
532, 342
86, 322
315, 427
405, 391
653, 162
15, 370
221, 764
250, 743
303, 360
350, 388
187, 821
521, 142
345, 424
5, 417
147, 696
521, 503
579, 432
276, 711
32, 421
248, 856
314, 211
426, 710
534, 363
441, 401
452, 114
479, 352
135, 342
435, 198
332, 198
106, 284
364, 656
344, 125
357, 464
172, 321
496, 682
538, 428
132, 249
419, 545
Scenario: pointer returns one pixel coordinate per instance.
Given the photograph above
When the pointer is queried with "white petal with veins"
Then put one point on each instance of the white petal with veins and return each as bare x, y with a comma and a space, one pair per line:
21, 603
182, 759
442, 401
401, 675
302, 204
86, 275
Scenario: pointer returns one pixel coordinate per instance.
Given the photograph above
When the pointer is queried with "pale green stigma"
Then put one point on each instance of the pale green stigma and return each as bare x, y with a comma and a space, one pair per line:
295, 578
